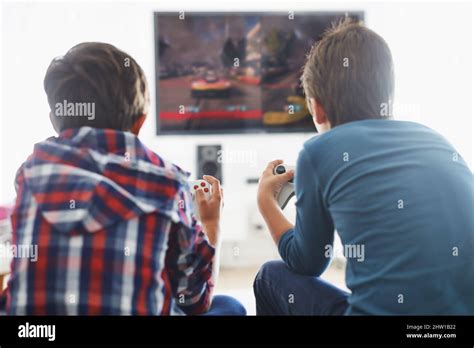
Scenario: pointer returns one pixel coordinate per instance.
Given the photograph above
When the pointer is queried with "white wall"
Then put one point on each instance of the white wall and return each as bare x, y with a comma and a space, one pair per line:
431, 44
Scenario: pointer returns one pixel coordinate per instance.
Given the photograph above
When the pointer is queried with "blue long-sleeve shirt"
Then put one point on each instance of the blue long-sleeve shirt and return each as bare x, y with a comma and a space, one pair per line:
401, 200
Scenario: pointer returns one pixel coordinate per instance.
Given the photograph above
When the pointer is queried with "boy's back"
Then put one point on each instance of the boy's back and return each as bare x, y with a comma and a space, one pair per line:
112, 223
401, 194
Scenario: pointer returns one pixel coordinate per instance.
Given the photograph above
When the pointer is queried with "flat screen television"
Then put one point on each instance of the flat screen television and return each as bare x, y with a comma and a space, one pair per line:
234, 72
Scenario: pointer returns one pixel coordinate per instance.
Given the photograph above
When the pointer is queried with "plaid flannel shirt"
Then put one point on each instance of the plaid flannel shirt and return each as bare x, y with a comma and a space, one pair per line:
114, 231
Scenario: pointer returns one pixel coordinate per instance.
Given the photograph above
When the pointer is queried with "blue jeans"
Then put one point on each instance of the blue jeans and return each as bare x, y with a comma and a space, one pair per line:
225, 305
278, 291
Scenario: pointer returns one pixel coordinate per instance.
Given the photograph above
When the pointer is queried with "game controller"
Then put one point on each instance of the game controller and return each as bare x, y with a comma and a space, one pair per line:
194, 186
288, 189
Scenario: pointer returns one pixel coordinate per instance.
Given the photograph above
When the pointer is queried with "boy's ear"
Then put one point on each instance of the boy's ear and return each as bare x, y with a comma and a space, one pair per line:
317, 111
137, 125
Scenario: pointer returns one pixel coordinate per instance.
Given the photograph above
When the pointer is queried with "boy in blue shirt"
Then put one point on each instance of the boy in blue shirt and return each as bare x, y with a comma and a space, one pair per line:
398, 194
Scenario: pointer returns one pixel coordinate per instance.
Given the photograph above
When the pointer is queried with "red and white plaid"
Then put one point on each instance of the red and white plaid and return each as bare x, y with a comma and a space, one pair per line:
114, 231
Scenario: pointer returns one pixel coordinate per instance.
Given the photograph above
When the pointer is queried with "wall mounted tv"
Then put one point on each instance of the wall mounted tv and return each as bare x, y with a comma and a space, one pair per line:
234, 72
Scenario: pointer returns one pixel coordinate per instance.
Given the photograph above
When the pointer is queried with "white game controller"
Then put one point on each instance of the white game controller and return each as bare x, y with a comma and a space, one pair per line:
195, 185
288, 189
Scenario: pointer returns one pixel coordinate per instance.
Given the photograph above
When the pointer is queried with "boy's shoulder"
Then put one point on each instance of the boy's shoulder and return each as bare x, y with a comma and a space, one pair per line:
357, 131
181, 175
363, 136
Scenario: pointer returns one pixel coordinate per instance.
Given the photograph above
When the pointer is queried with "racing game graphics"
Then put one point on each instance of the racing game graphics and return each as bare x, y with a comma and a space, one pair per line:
235, 73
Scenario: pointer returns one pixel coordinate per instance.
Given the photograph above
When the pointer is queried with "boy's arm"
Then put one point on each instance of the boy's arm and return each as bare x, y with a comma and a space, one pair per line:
268, 187
192, 255
304, 245
210, 215
189, 265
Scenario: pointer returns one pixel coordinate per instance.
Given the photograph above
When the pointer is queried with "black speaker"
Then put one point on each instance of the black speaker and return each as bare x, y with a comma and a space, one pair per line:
209, 161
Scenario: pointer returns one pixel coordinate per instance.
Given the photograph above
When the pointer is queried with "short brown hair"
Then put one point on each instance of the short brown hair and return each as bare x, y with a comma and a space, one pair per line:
98, 74
350, 73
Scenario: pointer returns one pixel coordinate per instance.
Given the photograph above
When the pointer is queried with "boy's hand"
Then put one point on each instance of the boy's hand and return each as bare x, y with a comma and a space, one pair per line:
210, 209
270, 185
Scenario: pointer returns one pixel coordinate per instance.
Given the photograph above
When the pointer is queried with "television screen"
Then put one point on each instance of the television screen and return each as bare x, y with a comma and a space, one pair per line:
234, 73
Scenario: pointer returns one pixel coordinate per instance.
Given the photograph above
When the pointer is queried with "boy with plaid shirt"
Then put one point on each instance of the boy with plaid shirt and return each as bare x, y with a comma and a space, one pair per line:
111, 219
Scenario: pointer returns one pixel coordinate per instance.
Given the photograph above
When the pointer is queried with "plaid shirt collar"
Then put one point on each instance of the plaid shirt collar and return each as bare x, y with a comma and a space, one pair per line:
108, 141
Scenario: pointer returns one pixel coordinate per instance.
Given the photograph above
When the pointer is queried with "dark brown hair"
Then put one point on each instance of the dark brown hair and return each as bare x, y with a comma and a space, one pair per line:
350, 73
103, 76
